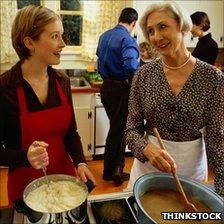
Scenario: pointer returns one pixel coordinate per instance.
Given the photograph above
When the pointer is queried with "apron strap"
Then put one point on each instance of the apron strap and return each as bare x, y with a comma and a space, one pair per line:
61, 93
22, 100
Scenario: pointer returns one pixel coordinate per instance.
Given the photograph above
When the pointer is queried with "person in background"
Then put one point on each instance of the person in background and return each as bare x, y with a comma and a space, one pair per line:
37, 124
147, 53
180, 96
206, 48
118, 56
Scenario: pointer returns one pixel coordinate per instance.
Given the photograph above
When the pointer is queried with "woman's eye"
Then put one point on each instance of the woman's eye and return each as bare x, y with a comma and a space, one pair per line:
55, 36
150, 31
162, 26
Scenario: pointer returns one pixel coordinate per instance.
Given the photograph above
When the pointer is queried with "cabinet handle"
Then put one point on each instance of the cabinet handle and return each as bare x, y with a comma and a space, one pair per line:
221, 38
89, 115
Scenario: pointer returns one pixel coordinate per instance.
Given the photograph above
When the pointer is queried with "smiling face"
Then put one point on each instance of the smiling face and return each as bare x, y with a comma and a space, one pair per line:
50, 44
164, 33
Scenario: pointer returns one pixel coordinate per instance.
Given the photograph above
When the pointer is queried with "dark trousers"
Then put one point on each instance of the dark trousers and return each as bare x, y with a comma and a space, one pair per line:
114, 97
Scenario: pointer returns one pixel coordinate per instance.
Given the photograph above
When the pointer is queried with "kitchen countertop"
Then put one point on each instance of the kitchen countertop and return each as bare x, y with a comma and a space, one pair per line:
86, 89
90, 82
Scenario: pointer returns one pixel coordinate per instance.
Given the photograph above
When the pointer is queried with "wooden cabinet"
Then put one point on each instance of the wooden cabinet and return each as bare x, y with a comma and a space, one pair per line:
83, 104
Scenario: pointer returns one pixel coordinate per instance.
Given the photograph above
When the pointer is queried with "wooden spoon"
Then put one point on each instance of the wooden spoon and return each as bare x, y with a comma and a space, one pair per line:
188, 205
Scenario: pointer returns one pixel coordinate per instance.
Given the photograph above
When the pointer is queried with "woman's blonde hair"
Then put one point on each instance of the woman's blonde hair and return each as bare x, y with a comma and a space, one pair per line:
176, 12
149, 48
30, 21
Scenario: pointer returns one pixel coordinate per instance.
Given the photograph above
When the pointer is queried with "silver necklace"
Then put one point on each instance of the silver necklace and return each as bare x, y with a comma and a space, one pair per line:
178, 67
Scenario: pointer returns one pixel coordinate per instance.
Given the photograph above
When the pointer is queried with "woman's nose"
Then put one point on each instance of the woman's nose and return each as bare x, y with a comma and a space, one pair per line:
157, 35
62, 43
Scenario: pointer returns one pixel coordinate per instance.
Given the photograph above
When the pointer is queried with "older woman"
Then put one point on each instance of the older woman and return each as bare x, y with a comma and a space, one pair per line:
179, 95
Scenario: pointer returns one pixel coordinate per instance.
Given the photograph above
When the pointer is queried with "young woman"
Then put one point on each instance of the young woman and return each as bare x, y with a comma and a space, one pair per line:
180, 96
37, 123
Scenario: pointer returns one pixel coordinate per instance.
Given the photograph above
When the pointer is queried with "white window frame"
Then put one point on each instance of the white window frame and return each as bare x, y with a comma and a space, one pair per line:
70, 49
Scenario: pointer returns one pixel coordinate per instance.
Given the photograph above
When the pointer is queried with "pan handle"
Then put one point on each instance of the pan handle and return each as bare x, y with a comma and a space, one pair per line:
20, 206
90, 185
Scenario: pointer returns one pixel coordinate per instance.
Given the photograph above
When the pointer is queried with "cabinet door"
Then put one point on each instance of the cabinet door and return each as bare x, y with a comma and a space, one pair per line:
85, 128
101, 126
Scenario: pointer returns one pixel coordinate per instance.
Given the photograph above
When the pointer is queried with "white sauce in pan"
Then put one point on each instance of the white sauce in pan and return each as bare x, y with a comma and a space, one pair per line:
59, 196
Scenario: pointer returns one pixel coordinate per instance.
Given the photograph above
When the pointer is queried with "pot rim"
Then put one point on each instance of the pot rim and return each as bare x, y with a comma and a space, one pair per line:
54, 177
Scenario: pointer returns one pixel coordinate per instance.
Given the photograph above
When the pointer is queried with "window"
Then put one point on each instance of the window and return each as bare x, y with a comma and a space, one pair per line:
22, 3
71, 12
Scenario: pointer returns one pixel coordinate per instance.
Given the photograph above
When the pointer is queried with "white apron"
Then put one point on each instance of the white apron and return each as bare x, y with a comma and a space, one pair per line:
190, 158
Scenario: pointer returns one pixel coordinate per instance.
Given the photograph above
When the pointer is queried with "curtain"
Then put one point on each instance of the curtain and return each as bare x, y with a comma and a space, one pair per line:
8, 12
98, 17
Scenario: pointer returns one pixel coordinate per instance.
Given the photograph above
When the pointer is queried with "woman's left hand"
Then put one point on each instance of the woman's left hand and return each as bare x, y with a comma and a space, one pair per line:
85, 174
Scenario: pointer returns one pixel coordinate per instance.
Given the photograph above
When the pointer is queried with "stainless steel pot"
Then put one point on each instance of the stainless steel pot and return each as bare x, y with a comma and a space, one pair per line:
165, 181
79, 213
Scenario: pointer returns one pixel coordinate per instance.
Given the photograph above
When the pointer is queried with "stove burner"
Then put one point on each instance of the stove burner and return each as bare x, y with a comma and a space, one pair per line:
78, 215
59, 218
32, 216
74, 216
123, 206
112, 212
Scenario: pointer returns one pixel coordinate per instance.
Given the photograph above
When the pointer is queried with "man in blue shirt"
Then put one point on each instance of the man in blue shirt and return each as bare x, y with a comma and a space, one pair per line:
118, 59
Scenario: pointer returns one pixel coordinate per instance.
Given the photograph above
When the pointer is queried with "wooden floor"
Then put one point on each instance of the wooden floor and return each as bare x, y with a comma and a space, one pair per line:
96, 166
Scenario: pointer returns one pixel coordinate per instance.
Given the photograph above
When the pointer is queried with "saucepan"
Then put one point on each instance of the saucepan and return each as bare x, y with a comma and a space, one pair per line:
78, 209
192, 188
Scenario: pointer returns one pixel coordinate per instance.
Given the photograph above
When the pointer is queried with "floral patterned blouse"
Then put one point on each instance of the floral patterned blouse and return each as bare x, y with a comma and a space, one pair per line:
200, 104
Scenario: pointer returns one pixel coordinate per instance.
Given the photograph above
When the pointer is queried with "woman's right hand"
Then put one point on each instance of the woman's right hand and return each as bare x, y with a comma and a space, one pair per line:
160, 158
37, 154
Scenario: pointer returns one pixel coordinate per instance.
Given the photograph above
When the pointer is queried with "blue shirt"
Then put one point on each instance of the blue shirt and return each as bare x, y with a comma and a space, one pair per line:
118, 54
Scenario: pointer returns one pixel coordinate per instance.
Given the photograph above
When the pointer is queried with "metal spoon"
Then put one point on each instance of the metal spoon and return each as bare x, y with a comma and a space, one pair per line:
52, 198
44, 169
188, 205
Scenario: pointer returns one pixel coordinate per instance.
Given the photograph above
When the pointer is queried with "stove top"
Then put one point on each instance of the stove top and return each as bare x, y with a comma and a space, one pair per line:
112, 208
115, 208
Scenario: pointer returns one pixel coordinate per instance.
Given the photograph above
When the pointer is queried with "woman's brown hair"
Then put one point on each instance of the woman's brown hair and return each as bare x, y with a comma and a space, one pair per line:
30, 21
